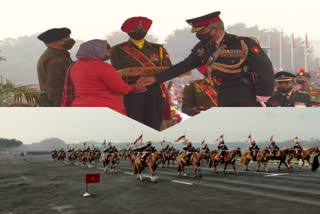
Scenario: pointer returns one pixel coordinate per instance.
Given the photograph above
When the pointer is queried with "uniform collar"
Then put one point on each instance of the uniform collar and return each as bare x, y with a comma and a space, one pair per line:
132, 44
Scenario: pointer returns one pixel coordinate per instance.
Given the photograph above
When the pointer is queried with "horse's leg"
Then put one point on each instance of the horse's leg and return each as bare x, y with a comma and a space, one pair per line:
182, 167
153, 179
308, 161
246, 164
215, 163
258, 166
234, 168
289, 162
265, 166
302, 163
179, 169
225, 167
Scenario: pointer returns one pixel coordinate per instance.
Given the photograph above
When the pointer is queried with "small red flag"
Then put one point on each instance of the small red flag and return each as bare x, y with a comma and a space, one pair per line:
295, 139
182, 137
92, 178
162, 142
134, 143
202, 142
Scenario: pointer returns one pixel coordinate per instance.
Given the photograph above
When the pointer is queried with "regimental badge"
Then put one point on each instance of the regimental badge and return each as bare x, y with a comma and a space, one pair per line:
255, 49
166, 56
299, 104
200, 51
237, 53
154, 57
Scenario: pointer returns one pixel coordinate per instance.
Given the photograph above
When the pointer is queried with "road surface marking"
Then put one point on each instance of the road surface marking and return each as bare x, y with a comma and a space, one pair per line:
181, 182
276, 174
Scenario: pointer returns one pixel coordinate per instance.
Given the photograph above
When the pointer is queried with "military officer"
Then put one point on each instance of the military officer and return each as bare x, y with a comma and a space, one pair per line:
303, 81
243, 70
53, 65
254, 149
152, 106
189, 149
297, 148
198, 95
222, 150
286, 96
273, 148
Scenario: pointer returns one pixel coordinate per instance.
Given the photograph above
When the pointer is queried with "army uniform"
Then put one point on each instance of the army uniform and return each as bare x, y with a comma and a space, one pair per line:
273, 148
297, 148
223, 148
146, 150
52, 68
254, 148
306, 87
205, 148
189, 149
291, 98
147, 107
239, 64
198, 96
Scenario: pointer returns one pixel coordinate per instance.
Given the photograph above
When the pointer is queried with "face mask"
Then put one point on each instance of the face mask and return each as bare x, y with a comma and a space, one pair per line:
300, 82
285, 90
138, 35
69, 44
204, 37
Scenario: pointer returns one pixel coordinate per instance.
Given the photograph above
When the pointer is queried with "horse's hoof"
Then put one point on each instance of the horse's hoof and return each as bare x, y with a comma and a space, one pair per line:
185, 175
236, 173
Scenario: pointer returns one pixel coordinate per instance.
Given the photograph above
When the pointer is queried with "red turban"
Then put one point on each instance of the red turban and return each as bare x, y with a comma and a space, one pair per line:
133, 22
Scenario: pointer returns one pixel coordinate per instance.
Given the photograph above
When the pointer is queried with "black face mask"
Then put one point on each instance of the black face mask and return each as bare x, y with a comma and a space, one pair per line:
204, 37
69, 44
285, 90
138, 35
300, 82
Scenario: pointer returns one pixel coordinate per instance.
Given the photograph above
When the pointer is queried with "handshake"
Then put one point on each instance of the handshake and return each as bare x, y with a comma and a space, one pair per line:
142, 83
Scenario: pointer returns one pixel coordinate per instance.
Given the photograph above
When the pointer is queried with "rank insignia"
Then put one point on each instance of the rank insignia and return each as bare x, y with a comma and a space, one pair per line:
255, 49
200, 51
154, 57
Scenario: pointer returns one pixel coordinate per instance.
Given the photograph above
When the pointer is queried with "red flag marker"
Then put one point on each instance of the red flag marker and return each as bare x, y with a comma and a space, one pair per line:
91, 178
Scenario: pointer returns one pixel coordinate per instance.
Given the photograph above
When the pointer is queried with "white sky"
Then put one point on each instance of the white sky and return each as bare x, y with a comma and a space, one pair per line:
97, 18
75, 125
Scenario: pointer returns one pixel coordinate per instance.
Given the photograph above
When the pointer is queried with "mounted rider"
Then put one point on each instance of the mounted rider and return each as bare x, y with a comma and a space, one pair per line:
273, 148
189, 150
254, 149
146, 150
222, 150
297, 148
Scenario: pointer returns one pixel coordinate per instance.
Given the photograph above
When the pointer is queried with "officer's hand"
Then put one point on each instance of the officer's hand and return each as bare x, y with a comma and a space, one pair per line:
262, 100
145, 81
139, 88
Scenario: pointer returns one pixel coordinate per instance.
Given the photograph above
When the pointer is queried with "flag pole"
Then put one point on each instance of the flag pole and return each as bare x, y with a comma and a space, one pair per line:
305, 53
292, 52
281, 46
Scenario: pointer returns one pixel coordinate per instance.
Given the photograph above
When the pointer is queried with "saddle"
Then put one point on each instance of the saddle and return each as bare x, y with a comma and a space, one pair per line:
277, 154
218, 156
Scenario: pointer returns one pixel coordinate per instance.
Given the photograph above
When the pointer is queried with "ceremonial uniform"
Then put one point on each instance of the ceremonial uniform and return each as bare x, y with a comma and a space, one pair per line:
147, 107
239, 64
254, 148
297, 148
198, 95
223, 148
313, 91
205, 148
273, 148
289, 98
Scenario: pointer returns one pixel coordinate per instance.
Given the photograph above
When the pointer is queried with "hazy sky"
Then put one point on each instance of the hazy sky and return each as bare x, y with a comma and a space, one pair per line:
75, 125
97, 18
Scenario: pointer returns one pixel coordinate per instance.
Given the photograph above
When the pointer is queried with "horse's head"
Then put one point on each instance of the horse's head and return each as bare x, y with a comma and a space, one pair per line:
238, 152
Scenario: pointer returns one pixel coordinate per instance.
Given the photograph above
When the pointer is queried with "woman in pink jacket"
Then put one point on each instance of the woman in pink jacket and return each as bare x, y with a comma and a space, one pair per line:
91, 82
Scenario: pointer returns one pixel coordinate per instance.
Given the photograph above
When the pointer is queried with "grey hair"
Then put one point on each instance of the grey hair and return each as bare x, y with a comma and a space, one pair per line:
218, 24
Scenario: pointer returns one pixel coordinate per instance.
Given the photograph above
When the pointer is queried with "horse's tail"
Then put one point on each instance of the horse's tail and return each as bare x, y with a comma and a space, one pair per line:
315, 164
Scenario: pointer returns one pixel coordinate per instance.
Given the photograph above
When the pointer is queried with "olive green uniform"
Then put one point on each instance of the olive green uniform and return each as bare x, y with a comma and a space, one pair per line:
52, 67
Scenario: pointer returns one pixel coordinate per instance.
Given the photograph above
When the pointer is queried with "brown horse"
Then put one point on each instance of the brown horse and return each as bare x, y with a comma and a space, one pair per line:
279, 155
229, 158
72, 157
54, 155
260, 157
172, 155
194, 161
112, 160
305, 155
151, 163
61, 156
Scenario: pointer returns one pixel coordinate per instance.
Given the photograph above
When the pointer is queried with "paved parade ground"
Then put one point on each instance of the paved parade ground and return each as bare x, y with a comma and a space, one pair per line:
37, 184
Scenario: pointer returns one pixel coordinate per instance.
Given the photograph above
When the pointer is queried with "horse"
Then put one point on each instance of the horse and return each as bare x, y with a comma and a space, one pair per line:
204, 156
172, 155
54, 155
61, 156
305, 155
279, 155
111, 159
72, 157
150, 162
87, 157
260, 157
229, 158
194, 161
96, 156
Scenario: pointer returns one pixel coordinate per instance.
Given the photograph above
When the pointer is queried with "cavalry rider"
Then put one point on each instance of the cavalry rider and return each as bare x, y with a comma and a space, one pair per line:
254, 149
222, 150
297, 148
189, 149
206, 148
146, 151
109, 150
273, 148
165, 149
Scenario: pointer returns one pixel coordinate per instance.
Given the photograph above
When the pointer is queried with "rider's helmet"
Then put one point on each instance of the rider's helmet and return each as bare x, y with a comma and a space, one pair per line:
148, 143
